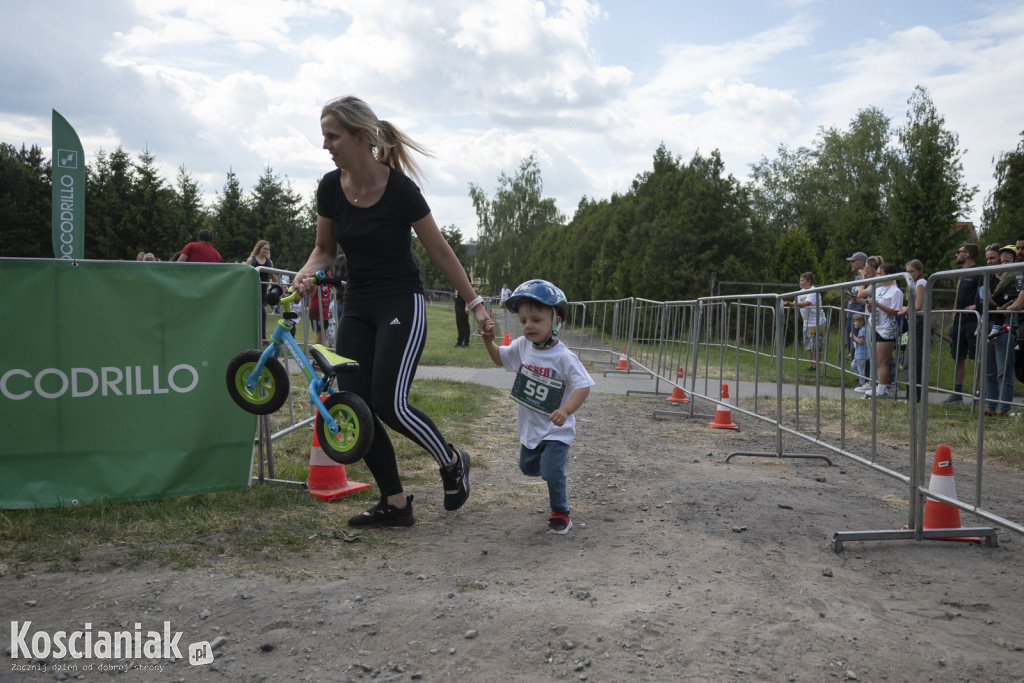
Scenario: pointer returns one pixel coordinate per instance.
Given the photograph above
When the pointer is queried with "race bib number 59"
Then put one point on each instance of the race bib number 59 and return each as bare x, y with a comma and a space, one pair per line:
537, 392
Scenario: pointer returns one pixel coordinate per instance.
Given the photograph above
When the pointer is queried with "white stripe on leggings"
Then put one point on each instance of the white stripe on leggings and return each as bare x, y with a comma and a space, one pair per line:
414, 344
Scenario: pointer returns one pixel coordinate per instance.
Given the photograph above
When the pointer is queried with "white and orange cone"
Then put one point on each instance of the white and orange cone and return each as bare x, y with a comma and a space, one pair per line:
327, 479
723, 414
939, 515
623, 361
678, 395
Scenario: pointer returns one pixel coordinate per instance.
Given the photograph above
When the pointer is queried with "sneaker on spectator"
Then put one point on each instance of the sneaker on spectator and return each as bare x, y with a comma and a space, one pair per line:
385, 514
559, 523
861, 388
456, 481
954, 398
881, 391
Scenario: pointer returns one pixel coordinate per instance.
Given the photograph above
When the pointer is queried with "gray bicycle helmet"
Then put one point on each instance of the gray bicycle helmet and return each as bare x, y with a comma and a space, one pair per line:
546, 293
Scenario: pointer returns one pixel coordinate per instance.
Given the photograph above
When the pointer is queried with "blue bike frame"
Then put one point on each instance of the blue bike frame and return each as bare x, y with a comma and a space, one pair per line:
282, 336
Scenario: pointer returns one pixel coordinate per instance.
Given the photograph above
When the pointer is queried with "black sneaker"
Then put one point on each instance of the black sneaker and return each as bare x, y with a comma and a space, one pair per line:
385, 514
456, 481
954, 398
559, 523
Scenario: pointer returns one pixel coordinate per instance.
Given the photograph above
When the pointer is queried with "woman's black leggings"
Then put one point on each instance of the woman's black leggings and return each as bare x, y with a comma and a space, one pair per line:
386, 336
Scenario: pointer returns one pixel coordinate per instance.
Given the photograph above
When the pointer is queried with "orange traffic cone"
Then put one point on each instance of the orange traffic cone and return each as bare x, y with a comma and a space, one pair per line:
678, 395
505, 341
327, 479
623, 363
939, 515
723, 414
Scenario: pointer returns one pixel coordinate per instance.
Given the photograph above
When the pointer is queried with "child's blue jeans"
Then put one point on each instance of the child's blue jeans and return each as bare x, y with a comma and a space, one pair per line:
547, 461
860, 367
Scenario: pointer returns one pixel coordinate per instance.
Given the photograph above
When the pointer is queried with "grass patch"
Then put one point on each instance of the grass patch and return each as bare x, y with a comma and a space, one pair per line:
238, 530
953, 426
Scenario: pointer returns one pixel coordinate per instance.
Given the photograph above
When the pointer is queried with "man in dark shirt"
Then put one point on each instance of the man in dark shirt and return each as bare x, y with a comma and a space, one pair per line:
963, 333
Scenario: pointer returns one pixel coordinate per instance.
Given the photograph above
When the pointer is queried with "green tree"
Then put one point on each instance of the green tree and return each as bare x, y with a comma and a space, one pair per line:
511, 223
188, 215
797, 255
1003, 216
928, 194
231, 221
850, 180
432, 276
278, 216
109, 207
150, 221
661, 240
25, 197
834, 191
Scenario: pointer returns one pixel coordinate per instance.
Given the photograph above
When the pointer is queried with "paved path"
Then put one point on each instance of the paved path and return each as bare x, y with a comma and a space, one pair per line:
636, 382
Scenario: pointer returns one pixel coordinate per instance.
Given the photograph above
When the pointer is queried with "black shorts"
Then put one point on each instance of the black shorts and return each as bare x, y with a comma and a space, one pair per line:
317, 325
962, 340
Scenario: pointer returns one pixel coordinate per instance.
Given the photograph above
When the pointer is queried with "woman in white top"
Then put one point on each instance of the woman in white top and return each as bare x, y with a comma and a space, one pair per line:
884, 307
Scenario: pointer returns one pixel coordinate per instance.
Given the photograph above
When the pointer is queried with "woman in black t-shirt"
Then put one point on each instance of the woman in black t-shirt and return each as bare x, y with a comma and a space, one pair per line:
368, 205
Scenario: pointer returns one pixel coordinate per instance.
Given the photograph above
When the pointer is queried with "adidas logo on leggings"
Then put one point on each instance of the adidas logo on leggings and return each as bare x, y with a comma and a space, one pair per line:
395, 322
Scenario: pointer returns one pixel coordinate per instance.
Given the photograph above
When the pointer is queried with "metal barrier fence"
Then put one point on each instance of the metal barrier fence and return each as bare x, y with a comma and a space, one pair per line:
699, 345
717, 340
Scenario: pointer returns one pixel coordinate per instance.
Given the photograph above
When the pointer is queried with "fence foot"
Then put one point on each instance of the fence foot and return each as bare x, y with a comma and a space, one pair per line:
300, 485
984, 535
781, 455
671, 413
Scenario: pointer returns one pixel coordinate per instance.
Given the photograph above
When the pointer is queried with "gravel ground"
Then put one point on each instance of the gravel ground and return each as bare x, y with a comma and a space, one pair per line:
680, 566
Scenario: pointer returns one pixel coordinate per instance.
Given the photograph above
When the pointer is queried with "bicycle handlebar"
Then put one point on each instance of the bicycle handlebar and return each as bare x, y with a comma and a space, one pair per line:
275, 294
322, 279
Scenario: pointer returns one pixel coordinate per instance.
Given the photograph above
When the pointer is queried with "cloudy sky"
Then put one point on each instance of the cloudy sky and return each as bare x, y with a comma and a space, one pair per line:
591, 86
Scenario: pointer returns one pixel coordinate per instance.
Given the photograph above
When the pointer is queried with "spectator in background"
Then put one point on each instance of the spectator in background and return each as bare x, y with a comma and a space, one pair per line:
916, 270
260, 258
1017, 305
148, 257
814, 319
854, 305
999, 363
883, 307
140, 256
461, 318
963, 333
870, 270
860, 354
201, 251
319, 310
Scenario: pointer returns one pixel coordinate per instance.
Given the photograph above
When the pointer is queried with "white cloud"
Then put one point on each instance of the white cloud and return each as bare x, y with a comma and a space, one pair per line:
239, 85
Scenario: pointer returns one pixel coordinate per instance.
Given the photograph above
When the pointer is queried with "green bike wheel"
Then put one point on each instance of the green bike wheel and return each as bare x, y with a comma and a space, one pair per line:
271, 389
355, 428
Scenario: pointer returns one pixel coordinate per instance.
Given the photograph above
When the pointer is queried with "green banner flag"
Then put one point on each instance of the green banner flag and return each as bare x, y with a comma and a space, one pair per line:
112, 385
68, 213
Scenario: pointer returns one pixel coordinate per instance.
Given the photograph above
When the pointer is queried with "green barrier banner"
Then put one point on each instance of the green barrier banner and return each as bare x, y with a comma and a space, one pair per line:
68, 194
112, 380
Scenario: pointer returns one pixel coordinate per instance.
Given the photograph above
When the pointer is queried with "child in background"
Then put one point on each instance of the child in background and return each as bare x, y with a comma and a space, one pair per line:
860, 354
814, 319
551, 384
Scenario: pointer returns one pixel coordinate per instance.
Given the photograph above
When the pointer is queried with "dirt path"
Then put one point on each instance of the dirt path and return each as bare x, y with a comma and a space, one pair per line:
679, 567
